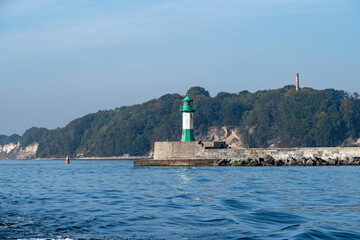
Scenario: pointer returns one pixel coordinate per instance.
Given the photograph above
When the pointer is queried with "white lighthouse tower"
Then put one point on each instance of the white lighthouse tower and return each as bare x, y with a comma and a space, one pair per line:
188, 121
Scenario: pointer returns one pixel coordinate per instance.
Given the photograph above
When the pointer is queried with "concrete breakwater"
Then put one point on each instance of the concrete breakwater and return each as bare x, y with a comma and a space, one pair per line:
189, 154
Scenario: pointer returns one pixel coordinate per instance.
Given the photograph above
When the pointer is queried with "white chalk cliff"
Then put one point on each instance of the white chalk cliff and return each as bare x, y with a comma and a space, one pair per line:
16, 151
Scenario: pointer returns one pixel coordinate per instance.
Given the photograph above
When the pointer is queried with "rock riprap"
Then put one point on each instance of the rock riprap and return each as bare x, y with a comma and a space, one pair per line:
303, 161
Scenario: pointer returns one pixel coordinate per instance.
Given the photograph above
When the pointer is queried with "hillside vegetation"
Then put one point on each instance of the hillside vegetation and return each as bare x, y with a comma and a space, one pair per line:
276, 118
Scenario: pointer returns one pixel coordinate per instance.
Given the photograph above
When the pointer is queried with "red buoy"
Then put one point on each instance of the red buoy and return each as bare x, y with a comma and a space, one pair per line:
67, 160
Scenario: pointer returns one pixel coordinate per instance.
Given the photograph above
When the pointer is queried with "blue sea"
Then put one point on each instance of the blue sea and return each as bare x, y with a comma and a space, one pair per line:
110, 199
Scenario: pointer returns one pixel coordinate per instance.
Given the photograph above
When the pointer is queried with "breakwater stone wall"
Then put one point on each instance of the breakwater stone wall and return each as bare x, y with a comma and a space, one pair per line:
258, 156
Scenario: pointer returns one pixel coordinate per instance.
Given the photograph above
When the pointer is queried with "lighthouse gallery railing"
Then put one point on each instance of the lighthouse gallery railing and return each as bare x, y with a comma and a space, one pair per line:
188, 108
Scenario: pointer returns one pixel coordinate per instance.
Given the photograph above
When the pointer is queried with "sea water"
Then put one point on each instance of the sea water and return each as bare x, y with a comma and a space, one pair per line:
110, 199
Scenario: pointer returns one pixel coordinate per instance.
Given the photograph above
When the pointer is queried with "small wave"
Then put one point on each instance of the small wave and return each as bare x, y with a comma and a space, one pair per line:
271, 217
290, 227
236, 204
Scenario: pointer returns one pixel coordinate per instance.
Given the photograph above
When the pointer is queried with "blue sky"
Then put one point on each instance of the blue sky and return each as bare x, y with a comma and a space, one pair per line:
60, 60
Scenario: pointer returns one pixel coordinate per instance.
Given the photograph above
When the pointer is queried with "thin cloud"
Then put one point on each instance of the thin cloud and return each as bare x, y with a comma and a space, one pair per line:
245, 8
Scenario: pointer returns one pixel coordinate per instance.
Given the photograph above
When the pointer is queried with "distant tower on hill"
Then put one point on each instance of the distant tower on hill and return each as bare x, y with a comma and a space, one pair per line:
188, 121
297, 82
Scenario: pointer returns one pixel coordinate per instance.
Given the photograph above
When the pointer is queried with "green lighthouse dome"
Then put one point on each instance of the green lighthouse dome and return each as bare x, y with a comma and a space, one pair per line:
187, 98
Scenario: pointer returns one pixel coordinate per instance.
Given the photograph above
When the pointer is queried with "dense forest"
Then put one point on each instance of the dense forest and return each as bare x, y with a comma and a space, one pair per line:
280, 118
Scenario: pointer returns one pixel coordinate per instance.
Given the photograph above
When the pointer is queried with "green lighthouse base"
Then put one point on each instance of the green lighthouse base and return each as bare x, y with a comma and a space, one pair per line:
187, 135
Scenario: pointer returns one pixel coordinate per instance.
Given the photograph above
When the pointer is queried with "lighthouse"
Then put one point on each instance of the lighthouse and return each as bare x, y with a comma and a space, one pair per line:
188, 121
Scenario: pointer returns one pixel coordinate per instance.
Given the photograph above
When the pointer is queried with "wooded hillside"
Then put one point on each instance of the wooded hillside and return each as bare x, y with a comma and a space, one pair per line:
277, 118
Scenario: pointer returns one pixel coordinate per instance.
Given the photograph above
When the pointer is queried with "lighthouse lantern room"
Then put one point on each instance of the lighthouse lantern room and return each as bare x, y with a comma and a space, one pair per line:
188, 121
